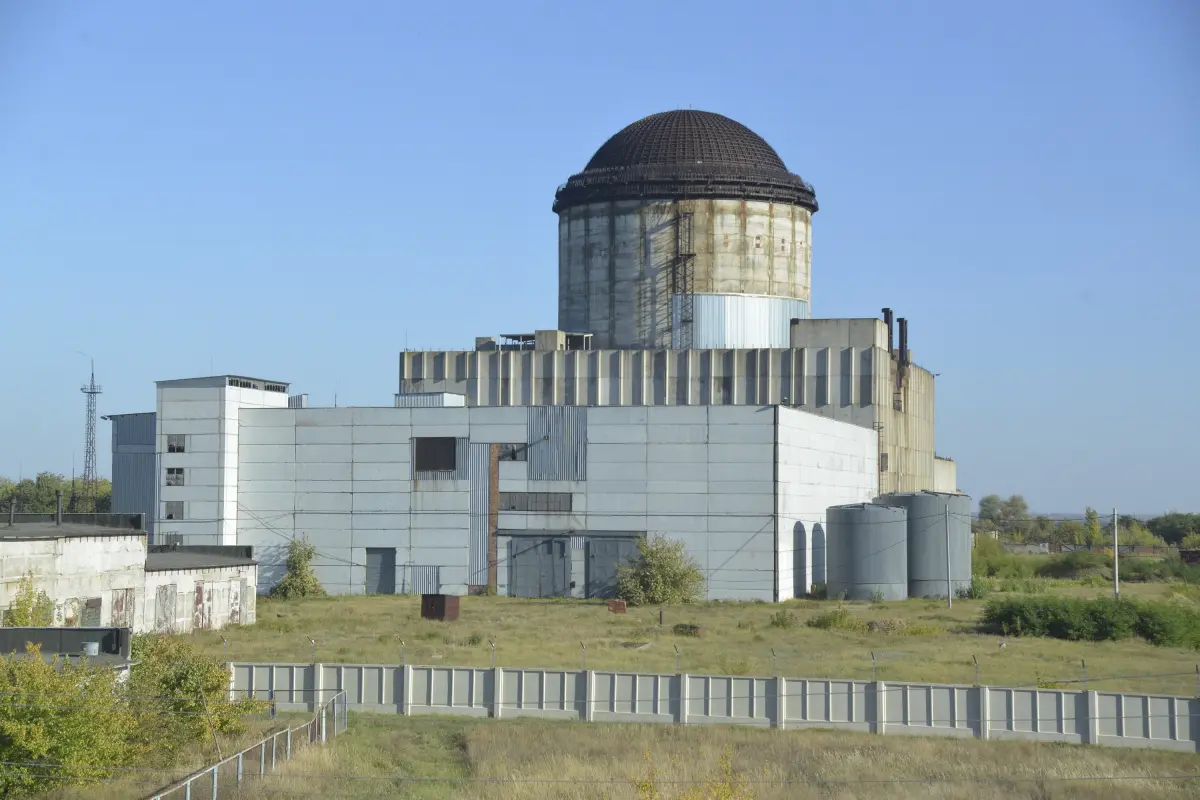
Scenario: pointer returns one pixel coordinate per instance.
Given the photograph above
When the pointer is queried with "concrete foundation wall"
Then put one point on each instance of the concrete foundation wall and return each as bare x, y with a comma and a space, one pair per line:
200, 599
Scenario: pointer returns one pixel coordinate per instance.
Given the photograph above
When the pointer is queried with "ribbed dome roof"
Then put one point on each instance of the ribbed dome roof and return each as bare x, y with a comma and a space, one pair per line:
686, 137
685, 154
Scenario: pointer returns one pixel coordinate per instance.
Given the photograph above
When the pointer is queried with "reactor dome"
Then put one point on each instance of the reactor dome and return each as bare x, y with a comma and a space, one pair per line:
685, 155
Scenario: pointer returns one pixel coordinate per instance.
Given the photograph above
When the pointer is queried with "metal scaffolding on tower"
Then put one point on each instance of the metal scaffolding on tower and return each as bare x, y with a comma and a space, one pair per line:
683, 277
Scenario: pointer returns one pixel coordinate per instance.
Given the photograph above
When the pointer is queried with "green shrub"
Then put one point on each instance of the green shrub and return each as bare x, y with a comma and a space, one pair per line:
783, 619
663, 574
1102, 619
29, 608
1076, 564
819, 592
876, 597
922, 629
300, 580
978, 589
840, 619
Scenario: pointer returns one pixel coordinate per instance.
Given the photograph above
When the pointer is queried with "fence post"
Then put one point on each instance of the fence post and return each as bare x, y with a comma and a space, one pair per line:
238, 781
497, 690
983, 725
215, 770
406, 682
1092, 728
262, 758
318, 686
289, 744
780, 720
323, 708
878, 721
681, 714
589, 696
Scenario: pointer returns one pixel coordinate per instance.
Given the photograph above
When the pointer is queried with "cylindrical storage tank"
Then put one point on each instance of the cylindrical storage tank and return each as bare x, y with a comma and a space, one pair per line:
939, 523
684, 230
866, 552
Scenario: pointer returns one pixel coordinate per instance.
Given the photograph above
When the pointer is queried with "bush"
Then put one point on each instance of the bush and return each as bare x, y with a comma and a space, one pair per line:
840, 619
29, 608
1098, 620
73, 715
783, 619
300, 580
1077, 564
977, 590
876, 597
662, 575
182, 695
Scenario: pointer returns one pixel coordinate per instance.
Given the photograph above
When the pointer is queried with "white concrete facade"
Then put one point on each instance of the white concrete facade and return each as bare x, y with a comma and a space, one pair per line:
101, 581
196, 448
731, 482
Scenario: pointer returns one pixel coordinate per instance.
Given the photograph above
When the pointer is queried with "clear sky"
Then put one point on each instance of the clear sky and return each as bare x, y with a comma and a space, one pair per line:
295, 190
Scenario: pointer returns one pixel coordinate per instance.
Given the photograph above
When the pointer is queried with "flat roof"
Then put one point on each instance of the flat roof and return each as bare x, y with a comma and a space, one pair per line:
215, 380
68, 530
184, 560
128, 414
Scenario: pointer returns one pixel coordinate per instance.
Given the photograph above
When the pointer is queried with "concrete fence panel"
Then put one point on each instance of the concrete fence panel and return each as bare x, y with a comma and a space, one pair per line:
984, 712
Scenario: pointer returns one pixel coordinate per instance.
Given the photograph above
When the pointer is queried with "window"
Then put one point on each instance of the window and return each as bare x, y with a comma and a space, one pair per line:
514, 452
553, 502
174, 509
435, 454
883, 462
174, 476
176, 443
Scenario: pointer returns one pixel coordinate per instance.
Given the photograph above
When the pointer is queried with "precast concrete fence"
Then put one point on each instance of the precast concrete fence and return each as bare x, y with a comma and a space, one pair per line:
984, 712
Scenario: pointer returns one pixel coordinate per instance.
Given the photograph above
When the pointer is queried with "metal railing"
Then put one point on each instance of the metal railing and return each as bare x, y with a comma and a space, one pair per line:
225, 778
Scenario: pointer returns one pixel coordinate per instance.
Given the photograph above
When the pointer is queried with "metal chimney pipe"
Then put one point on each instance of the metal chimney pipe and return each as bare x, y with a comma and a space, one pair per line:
903, 341
888, 317
58, 511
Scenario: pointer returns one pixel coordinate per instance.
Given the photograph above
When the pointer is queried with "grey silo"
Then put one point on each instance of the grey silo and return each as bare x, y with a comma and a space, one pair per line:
936, 520
867, 551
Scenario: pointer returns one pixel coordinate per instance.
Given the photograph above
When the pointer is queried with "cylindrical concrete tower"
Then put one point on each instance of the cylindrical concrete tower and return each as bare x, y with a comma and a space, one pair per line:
684, 230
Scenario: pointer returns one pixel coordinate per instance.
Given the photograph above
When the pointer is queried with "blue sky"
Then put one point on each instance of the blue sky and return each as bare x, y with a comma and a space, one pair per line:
293, 190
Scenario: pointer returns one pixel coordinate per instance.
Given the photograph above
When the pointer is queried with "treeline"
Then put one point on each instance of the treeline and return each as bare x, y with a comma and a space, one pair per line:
1012, 521
39, 495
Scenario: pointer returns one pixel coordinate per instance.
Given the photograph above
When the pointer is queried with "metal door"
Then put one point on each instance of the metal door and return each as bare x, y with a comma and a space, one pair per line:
381, 570
603, 558
539, 568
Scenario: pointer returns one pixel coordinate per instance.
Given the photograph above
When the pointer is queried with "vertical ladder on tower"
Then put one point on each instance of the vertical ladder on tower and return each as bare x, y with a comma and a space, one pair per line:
683, 273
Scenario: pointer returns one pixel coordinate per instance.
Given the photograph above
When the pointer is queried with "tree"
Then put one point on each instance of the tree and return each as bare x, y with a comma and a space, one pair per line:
300, 580
663, 574
1009, 517
1093, 532
1190, 542
74, 716
40, 495
29, 608
1174, 526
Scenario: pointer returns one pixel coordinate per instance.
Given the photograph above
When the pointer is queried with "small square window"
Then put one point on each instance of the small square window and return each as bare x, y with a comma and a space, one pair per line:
174, 509
174, 476
514, 452
883, 459
176, 443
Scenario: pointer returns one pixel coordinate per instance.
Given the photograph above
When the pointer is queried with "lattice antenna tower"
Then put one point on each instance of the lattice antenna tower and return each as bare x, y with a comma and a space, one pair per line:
91, 390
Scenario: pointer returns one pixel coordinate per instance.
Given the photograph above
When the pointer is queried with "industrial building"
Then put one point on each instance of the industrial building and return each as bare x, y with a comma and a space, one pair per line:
686, 393
99, 571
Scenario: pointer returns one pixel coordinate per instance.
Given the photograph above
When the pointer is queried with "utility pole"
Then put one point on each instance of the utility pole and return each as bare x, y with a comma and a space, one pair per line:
1116, 560
949, 586
91, 390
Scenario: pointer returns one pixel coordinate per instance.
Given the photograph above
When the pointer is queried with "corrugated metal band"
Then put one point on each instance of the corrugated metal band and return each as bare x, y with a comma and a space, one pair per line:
479, 466
739, 321
423, 579
558, 443
578, 542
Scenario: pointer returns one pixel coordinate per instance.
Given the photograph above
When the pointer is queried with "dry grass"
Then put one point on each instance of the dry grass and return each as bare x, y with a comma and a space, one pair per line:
538, 760
738, 639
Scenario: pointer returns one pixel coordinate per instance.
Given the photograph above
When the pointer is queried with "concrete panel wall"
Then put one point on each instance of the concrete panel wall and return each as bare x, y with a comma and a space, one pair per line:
945, 475
182, 601
821, 463
839, 369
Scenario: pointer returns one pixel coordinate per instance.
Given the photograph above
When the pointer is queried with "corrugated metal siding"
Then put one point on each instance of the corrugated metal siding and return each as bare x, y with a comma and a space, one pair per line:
461, 465
578, 542
479, 467
430, 400
422, 580
298, 401
132, 429
135, 485
740, 321
558, 443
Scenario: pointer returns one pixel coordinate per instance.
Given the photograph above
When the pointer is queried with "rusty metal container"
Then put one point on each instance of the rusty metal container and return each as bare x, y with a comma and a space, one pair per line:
441, 607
